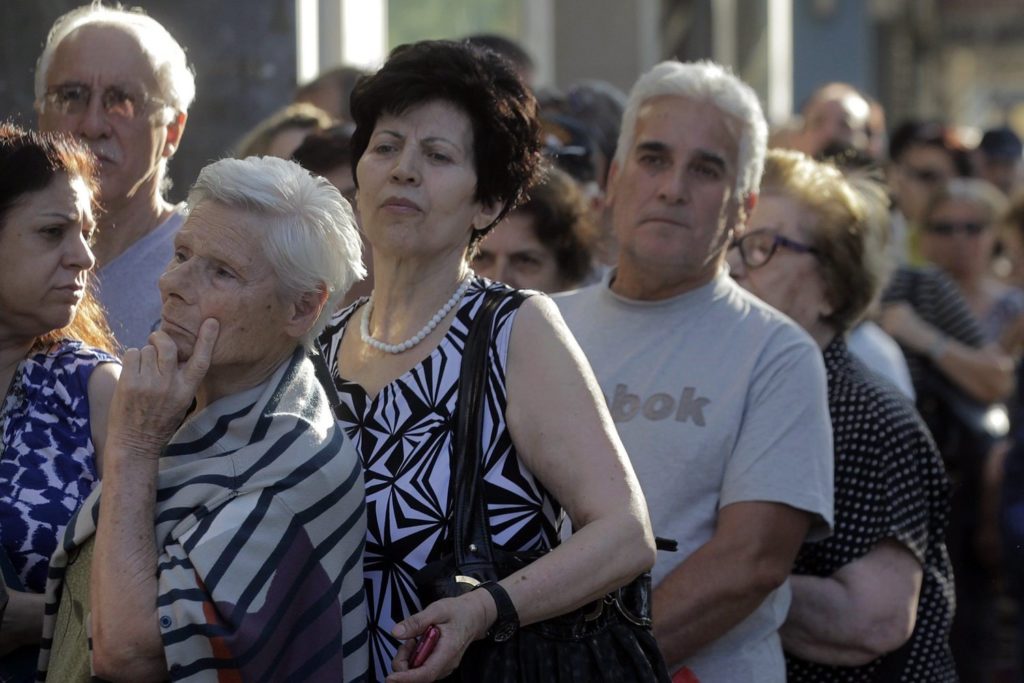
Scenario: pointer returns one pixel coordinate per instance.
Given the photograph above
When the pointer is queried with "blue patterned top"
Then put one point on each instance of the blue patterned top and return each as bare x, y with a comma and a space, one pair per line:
47, 459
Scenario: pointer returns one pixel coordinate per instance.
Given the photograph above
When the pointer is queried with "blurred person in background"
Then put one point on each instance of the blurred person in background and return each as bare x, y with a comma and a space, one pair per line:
120, 83
544, 243
328, 153
281, 133
1011, 500
330, 91
998, 159
923, 155
951, 337
959, 235
510, 50
874, 601
836, 114
56, 369
598, 106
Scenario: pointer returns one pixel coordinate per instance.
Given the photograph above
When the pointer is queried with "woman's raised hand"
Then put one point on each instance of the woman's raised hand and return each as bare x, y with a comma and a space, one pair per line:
155, 389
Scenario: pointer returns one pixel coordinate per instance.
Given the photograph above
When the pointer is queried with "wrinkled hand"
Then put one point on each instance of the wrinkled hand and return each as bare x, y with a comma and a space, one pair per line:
903, 324
155, 390
461, 621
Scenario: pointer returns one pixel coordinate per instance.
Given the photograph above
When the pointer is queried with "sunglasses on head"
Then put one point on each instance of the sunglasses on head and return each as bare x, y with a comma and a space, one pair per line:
947, 228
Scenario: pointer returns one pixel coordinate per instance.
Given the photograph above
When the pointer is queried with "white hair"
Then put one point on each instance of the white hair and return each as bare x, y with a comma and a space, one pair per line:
309, 232
176, 81
711, 83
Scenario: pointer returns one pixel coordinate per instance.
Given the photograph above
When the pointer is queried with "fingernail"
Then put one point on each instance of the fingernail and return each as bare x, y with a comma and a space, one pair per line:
398, 631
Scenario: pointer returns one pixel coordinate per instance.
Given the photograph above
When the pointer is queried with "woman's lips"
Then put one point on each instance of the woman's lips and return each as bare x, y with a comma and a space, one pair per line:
400, 204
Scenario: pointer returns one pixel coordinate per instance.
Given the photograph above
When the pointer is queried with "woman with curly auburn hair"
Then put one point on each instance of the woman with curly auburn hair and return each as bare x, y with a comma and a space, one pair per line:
56, 366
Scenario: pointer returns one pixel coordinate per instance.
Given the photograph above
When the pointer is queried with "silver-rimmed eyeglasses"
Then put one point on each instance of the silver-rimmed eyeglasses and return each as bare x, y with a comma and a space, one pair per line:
72, 99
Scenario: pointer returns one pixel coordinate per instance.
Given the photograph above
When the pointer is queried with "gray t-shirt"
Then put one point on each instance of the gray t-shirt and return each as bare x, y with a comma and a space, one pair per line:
127, 286
718, 399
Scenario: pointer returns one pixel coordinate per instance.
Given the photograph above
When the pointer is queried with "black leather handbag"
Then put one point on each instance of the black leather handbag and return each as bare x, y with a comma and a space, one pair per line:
607, 640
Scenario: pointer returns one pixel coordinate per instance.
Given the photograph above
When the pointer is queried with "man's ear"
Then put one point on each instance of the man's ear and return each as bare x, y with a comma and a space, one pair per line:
749, 202
743, 210
305, 311
175, 129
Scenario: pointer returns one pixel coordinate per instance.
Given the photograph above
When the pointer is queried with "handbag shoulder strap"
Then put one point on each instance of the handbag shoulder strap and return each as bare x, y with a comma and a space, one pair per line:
471, 538
323, 373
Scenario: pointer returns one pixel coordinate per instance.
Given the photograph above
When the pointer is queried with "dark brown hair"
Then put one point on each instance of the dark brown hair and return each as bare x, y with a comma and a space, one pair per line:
480, 83
562, 223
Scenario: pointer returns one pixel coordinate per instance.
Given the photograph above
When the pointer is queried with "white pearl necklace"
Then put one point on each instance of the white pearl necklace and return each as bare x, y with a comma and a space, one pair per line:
364, 322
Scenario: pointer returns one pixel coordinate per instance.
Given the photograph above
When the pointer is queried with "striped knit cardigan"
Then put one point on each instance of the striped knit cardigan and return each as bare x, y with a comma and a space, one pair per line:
260, 524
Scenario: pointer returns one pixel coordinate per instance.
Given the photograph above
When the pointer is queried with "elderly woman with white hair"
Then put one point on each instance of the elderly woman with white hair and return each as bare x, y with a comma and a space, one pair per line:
228, 542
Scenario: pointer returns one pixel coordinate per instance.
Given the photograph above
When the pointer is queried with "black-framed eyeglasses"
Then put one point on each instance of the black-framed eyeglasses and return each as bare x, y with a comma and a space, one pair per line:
758, 246
72, 99
948, 228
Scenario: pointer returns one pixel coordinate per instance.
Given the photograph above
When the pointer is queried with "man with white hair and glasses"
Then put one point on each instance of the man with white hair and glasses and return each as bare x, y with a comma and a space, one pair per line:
118, 81
719, 399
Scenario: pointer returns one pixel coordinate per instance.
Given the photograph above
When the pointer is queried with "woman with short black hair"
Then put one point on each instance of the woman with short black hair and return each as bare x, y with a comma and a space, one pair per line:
446, 141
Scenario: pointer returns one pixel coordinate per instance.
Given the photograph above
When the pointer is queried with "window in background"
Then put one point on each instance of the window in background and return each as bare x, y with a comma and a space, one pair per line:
411, 20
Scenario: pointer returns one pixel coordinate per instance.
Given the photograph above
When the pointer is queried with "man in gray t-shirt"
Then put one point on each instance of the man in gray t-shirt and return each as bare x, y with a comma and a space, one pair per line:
719, 399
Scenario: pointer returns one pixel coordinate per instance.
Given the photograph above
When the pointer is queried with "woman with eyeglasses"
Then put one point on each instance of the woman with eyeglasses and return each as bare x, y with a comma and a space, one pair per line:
874, 601
56, 370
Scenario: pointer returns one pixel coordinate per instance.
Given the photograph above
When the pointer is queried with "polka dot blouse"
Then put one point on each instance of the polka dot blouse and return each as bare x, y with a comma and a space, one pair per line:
890, 483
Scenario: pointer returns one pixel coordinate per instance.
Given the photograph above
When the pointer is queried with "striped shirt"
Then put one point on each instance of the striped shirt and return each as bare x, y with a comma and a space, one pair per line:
260, 524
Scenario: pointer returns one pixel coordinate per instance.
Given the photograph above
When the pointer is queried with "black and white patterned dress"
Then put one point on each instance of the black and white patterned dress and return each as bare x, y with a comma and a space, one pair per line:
404, 437
890, 483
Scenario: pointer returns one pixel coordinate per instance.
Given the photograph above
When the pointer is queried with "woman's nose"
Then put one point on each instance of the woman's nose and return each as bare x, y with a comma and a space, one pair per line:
175, 279
406, 167
79, 255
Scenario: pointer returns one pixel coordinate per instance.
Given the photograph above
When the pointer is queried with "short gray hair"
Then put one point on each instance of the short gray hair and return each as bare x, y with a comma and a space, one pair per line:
167, 57
711, 83
309, 231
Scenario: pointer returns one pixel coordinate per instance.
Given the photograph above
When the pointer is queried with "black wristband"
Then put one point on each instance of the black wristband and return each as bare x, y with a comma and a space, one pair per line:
507, 622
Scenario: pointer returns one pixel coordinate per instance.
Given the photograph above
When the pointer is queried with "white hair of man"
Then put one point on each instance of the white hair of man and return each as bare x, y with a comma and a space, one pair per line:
166, 56
309, 230
709, 82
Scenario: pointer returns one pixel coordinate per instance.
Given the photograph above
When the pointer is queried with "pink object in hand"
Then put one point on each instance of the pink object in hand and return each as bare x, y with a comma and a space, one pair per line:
424, 647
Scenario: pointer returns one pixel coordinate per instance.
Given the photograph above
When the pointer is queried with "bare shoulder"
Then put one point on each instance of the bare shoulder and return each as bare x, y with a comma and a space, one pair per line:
539, 318
102, 382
